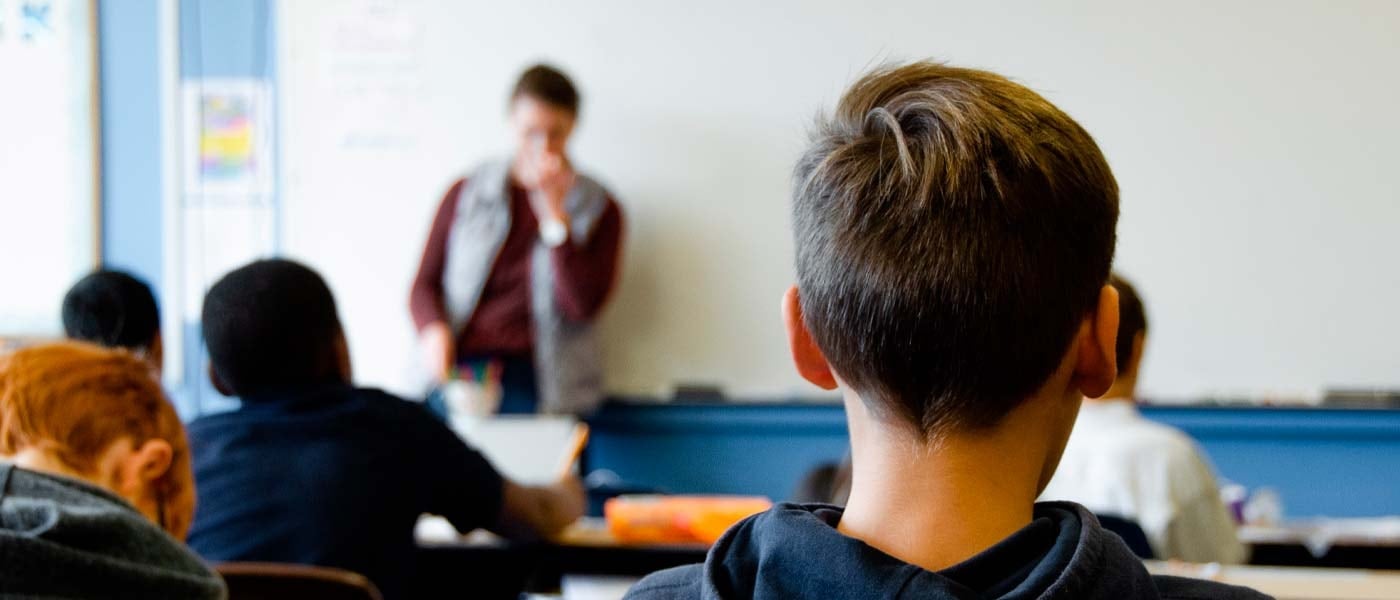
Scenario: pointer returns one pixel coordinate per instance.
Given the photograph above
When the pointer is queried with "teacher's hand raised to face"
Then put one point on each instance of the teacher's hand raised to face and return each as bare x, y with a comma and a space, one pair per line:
549, 178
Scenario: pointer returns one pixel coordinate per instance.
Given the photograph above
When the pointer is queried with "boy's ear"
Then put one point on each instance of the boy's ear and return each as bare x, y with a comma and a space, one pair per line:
151, 460
218, 382
343, 368
1097, 364
811, 363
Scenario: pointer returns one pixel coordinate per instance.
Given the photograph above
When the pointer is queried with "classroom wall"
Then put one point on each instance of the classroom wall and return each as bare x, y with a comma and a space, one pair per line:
1252, 143
49, 160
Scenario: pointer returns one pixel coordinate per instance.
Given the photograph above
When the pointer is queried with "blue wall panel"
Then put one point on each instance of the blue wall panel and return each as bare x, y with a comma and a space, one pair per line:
128, 43
1322, 462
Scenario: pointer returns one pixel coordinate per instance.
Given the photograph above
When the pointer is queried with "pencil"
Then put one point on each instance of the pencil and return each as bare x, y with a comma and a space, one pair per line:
576, 445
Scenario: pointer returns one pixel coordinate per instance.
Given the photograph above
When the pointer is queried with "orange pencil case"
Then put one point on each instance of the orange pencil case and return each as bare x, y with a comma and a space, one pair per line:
678, 519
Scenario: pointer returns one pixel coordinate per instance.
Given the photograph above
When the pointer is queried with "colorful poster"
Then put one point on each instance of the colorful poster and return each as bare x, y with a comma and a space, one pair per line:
227, 145
225, 137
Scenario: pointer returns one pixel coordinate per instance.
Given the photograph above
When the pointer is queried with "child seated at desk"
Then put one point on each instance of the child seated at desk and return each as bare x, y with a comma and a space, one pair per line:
311, 469
93, 466
116, 310
954, 232
1119, 463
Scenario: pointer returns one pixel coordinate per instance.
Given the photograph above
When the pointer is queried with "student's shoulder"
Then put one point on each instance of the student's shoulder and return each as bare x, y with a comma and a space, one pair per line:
1163, 442
672, 584
385, 405
217, 423
1170, 587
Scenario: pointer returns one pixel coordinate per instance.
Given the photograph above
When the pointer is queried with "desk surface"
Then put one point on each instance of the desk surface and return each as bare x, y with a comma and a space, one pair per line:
1293, 583
506, 567
1323, 533
588, 532
588, 549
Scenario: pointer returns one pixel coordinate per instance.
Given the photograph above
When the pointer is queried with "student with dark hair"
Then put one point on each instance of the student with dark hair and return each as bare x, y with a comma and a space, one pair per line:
312, 470
1119, 463
954, 232
520, 258
116, 310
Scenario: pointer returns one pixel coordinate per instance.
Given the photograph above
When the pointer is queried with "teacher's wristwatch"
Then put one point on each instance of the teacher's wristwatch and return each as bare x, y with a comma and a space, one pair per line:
553, 232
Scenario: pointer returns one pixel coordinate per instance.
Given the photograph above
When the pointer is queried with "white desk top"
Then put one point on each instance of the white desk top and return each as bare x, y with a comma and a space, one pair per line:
1295, 583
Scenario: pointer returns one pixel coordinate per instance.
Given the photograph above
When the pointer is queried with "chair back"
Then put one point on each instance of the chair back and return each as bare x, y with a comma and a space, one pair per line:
278, 581
1131, 532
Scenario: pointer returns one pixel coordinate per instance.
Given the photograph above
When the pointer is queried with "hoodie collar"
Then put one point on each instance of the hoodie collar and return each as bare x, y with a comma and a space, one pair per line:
795, 551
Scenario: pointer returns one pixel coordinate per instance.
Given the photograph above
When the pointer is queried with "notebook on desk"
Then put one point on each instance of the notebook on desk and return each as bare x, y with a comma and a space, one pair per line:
529, 449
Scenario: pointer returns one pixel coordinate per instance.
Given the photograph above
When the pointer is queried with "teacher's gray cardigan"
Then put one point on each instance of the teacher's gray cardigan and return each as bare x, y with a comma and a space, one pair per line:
567, 361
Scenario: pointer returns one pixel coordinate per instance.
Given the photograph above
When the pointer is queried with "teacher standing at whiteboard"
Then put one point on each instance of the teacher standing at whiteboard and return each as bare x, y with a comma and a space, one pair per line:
522, 254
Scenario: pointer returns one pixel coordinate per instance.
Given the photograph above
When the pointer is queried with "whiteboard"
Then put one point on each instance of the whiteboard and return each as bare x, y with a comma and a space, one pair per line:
48, 163
1254, 144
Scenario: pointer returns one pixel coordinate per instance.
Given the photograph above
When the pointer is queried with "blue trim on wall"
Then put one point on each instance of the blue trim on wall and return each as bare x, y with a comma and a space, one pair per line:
1280, 423
657, 418
227, 39
129, 58
1322, 462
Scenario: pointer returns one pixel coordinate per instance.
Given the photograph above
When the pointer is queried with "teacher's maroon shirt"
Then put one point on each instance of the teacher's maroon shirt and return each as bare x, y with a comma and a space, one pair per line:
501, 325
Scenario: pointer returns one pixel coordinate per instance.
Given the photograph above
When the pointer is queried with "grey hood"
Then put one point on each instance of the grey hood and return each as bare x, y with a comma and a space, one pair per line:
61, 538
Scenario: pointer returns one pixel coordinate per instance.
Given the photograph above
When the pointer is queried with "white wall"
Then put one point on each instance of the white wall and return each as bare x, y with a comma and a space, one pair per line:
48, 201
1254, 144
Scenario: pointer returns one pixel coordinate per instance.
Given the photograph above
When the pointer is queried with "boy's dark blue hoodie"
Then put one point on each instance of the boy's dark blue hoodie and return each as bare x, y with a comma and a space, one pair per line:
794, 552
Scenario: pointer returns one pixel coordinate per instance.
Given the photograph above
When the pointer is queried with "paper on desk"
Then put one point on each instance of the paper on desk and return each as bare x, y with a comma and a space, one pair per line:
432, 530
527, 449
595, 587
1320, 535
1330, 532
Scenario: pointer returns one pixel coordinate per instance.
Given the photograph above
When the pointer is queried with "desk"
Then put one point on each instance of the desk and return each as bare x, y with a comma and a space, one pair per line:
1291, 583
1356, 543
500, 568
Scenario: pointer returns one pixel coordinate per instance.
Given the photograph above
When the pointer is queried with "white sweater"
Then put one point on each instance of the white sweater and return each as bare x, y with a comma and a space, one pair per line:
1119, 463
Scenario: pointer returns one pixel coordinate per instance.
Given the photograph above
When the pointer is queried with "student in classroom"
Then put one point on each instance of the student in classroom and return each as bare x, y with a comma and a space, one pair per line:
1119, 463
114, 309
95, 482
520, 259
311, 469
954, 232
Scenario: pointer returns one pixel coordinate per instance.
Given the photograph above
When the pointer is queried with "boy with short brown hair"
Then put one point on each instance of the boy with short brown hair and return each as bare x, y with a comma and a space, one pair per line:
954, 232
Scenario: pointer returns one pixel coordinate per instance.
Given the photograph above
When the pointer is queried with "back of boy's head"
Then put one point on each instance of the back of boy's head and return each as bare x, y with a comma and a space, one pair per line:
73, 400
271, 326
953, 229
1132, 321
112, 309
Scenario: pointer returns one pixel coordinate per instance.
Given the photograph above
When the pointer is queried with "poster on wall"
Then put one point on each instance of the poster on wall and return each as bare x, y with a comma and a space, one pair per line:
226, 216
227, 141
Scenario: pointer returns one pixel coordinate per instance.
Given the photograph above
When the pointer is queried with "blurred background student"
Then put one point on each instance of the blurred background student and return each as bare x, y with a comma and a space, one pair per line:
1120, 464
520, 258
95, 482
116, 310
313, 470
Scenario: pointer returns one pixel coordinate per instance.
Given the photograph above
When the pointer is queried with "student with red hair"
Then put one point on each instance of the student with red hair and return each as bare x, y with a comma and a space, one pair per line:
96, 488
